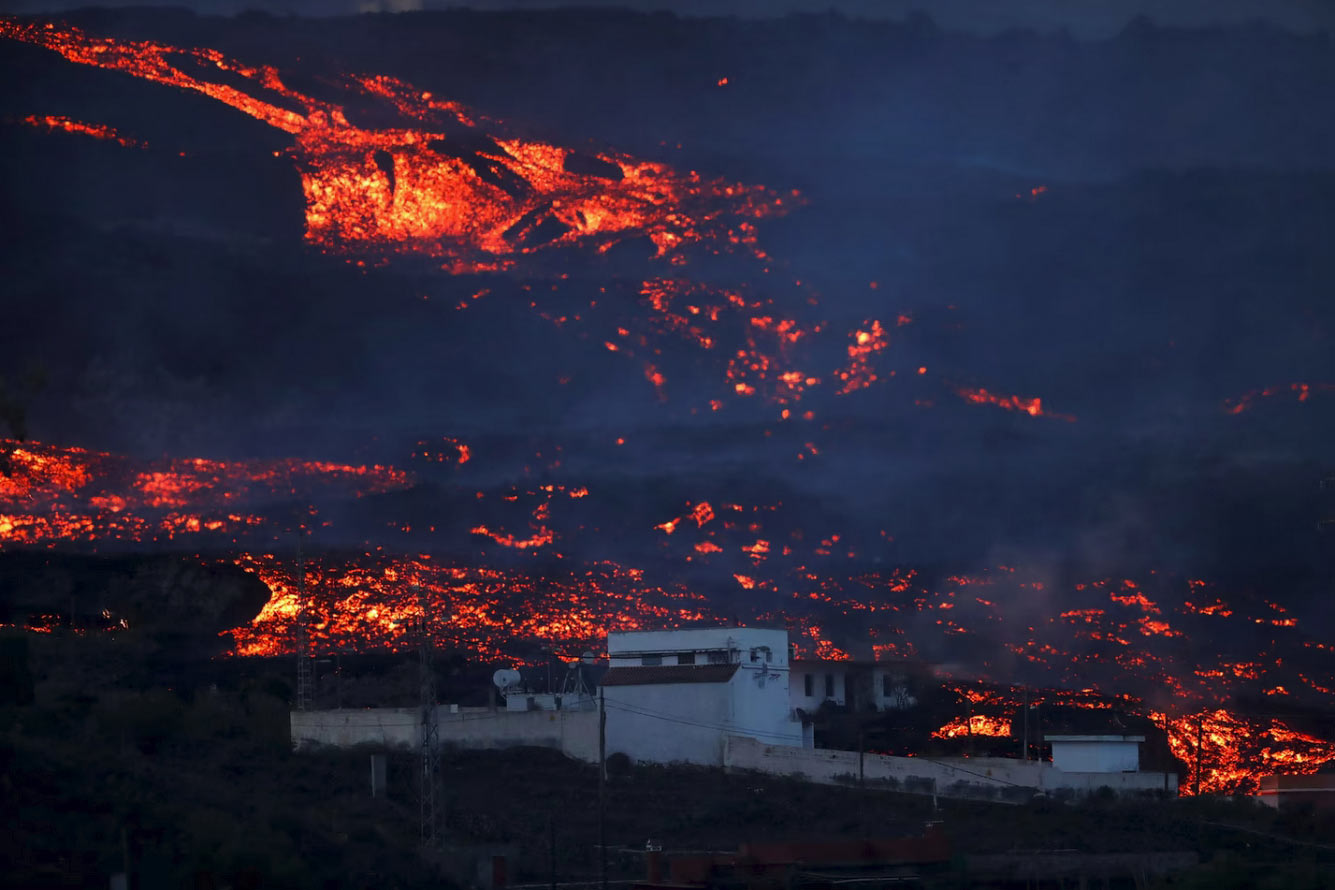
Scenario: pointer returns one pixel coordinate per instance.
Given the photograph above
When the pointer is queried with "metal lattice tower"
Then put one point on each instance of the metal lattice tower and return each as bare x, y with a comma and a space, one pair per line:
429, 766
305, 681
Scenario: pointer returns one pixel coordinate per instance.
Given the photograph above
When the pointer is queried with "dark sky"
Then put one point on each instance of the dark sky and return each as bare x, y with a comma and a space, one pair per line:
1083, 18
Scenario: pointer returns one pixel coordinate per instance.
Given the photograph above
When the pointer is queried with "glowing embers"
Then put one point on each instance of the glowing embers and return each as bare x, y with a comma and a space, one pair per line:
1031, 406
867, 341
1300, 391
438, 185
54, 123
449, 450
702, 513
73, 495
366, 602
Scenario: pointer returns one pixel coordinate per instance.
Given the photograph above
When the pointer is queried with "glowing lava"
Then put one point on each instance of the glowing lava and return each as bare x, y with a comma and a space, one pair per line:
439, 183
1031, 406
54, 494
52, 123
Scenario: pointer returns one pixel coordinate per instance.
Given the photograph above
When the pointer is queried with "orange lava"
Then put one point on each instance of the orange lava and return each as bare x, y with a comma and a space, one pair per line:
1031, 406
372, 601
52, 123
859, 374
1302, 391
446, 182
67, 495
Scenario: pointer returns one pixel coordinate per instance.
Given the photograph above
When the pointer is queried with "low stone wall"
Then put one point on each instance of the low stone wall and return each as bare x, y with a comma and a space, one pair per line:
975, 778
574, 733
379, 727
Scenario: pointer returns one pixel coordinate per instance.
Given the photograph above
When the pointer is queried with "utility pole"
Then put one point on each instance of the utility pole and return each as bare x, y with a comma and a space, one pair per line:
968, 721
1168, 745
305, 682
428, 755
602, 786
1199, 751
1024, 742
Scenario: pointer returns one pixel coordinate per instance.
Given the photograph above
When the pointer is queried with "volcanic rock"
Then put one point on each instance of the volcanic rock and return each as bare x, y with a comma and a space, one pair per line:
174, 596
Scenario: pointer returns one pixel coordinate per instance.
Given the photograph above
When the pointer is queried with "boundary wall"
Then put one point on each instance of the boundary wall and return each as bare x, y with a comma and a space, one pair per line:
574, 733
987, 778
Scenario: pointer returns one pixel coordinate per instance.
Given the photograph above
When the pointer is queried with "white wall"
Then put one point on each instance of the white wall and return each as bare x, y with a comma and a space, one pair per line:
997, 777
901, 695
798, 698
686, 722
670, 722
763, 706
626, 647
573, 732
383, 727
1096, 756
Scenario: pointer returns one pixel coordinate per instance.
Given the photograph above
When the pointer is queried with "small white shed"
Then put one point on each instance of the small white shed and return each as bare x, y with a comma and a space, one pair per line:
1096, 753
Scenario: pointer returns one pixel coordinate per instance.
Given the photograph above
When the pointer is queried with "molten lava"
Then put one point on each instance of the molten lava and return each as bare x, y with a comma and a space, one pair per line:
1031, 406
53, 123
1302, 391
445, 182
54, 494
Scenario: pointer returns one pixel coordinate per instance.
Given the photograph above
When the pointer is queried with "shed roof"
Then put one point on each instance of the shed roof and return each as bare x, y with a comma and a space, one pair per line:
669, 674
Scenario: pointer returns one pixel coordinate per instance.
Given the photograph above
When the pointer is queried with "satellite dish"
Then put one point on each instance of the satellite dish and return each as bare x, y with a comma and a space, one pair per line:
587, 657
505, 678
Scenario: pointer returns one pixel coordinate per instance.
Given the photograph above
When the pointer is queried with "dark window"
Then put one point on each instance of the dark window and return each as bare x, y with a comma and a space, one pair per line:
885, 685
651, 660
686, 658
829, 685
718, 658
809, 685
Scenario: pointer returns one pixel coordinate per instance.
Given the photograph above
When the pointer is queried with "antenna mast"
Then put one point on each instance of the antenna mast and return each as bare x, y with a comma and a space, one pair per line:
305, 684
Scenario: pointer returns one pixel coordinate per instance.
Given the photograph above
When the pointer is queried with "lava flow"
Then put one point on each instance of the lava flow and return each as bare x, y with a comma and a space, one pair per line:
1120, 642
439, 184
1031, 406
1301, 391
65, 495
51, 122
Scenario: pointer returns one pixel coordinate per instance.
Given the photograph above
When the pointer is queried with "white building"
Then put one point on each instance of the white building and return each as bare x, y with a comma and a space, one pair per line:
856, 685
1096, 753
673, 696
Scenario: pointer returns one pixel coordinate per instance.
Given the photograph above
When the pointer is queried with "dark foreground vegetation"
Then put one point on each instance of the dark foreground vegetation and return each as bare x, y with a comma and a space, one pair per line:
195, 784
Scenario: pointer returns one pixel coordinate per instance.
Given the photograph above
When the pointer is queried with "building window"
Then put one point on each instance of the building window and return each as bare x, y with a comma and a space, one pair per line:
718, 658
651, 660
829, 685
809, 685
686, 658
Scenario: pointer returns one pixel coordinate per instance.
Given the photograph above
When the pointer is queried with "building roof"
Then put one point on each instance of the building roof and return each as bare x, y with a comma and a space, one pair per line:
1092, 737
669, 674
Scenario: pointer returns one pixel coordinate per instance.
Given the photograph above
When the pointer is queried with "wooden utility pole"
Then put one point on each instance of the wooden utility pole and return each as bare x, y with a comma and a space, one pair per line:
602, 786
1199, 751
1024, 742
